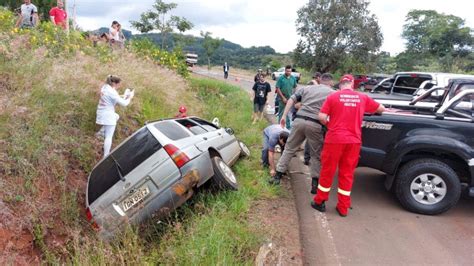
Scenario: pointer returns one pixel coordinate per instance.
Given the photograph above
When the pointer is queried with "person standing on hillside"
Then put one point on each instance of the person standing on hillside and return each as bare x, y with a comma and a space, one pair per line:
226, 70
28, 15
59, 16
284, 88
342, 112
305, 126
106, 116
261, 89
181, 112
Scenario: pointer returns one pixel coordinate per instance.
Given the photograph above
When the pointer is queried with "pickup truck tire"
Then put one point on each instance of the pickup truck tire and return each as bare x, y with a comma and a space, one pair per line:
427, 186
224, 177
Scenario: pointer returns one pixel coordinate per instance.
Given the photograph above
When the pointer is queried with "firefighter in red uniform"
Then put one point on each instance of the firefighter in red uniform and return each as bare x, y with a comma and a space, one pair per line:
342, 112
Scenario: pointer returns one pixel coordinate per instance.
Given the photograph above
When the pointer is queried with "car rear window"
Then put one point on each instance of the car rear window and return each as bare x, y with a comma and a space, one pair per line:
127, 157
171, 130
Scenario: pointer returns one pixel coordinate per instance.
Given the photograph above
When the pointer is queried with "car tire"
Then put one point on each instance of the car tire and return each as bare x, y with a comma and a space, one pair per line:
273, 77
244, 150
224, 177
427, 186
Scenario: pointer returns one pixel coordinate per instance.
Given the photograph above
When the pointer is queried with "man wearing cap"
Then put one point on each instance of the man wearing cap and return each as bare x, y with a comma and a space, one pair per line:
342, 112
305, 126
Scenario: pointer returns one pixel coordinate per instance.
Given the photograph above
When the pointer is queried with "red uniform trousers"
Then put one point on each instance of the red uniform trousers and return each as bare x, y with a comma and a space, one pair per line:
346, 156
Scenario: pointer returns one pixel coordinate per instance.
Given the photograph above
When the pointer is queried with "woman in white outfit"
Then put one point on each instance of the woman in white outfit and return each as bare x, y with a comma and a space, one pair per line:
106, 116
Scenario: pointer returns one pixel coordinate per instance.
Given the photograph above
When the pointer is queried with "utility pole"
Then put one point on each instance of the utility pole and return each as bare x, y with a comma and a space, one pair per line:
74, 15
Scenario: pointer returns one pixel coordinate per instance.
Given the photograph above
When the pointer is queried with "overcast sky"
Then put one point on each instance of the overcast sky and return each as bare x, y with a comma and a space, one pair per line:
259, 22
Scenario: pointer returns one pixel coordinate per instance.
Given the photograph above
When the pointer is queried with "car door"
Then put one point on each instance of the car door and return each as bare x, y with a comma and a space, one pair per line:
226, 144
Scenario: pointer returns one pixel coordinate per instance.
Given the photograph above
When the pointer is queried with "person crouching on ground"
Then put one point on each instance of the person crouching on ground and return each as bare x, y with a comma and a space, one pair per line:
106, 116
342, 112
261, 89
273, 135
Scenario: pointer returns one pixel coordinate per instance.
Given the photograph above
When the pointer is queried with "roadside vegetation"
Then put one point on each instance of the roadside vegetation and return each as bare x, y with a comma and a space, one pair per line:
49, 85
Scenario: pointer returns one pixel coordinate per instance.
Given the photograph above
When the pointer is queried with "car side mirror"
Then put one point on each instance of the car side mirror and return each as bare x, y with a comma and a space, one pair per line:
229, 131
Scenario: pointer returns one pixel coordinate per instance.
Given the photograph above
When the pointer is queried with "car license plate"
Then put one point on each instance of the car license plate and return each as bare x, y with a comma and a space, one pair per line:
135, 198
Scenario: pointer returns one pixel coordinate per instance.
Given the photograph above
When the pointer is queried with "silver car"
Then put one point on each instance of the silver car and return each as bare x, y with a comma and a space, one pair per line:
157, 169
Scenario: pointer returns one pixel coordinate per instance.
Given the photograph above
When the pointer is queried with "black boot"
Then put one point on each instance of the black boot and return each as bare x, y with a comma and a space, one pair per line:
275, 180
314, 185
320, 207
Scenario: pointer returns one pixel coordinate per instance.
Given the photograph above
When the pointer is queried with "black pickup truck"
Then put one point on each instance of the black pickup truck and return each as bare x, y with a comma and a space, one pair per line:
427, 154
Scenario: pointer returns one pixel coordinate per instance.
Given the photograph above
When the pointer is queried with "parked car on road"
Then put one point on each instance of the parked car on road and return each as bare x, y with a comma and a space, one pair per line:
157, 169
191, 59
281, 71
427, 154
404, 85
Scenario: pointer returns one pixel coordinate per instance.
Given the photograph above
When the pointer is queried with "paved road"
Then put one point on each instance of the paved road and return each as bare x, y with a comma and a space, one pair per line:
377, 230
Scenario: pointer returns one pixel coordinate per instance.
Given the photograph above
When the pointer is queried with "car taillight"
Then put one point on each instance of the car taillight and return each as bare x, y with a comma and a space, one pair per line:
91, 220
179, 157
413, 75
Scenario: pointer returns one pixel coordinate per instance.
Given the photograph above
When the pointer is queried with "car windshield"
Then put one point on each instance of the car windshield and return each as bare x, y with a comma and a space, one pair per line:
122, 161
408, 84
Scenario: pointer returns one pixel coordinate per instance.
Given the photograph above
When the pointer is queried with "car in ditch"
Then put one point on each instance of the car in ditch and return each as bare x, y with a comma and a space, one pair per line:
426, 153
157, 169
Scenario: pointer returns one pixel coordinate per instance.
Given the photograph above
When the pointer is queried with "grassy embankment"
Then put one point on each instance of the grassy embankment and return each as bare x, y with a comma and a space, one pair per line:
48, 98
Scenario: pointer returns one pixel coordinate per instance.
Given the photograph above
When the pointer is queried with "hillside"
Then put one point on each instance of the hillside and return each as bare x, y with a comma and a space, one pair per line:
49, 85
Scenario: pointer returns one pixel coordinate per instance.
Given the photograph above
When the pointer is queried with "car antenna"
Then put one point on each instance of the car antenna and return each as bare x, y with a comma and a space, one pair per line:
119, 169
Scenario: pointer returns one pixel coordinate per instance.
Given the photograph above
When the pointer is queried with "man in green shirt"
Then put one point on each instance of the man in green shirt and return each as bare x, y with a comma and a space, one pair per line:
284, 88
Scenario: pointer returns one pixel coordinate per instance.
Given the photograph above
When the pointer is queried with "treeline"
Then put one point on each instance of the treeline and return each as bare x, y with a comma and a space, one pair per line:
234, 54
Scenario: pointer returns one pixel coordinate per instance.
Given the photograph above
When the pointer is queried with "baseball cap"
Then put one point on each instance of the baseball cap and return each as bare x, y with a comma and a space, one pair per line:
346, 78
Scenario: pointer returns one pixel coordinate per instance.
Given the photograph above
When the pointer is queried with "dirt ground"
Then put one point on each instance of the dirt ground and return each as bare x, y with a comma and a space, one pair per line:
278, 218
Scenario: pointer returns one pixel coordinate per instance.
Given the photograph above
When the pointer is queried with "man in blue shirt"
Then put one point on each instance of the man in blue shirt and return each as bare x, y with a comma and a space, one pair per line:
273, 135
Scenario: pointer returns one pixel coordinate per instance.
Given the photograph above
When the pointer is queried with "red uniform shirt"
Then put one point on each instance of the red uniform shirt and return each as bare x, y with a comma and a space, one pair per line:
346, 110
60, 16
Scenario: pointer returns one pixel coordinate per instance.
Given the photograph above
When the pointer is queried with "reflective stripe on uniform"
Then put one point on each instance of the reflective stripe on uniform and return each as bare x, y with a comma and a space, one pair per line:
343, 192
323, 189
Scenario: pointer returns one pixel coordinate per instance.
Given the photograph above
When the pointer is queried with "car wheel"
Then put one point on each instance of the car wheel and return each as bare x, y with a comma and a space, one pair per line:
224, 177
427, 186
244, 150
273, 77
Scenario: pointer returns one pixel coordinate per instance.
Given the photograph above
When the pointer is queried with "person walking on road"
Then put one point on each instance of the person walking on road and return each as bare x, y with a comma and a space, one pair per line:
342, 112
257, 76
28, 15
106, 115
226, 70
261, 89
273, 135
305, 126
284, 88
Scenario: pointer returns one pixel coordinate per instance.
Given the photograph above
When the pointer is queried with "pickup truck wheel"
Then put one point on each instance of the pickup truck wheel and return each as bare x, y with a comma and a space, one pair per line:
224, 177
244, 150
427, 186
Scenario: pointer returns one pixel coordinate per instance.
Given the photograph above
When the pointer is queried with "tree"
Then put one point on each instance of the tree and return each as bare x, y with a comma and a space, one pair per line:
335, 32
156, 20
430, 34
210, 45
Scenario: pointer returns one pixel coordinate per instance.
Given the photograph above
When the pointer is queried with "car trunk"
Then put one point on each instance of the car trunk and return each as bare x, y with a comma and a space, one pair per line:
132, 176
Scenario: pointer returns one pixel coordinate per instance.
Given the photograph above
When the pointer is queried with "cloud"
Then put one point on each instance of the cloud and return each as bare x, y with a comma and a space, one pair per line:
260, 22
